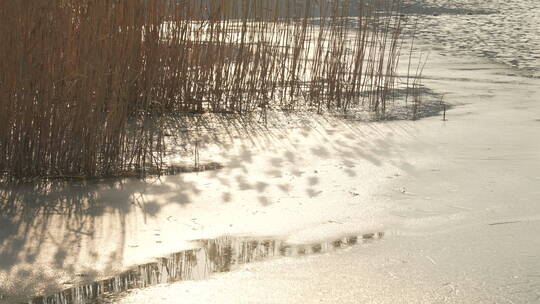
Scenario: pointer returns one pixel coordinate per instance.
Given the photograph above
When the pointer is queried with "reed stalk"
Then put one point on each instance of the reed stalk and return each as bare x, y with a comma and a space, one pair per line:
86, 85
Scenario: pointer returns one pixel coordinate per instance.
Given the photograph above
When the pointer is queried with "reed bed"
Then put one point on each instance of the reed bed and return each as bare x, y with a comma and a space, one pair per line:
87, 85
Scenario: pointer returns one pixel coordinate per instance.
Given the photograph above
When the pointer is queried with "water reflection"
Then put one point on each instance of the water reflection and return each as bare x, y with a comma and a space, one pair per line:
212, 256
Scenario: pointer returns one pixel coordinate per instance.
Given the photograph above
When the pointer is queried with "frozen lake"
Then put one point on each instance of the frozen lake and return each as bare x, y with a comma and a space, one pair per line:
457, 199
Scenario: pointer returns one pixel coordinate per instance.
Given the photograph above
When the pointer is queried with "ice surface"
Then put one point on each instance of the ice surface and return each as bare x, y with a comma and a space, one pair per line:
507, 31
467, 212
458, 199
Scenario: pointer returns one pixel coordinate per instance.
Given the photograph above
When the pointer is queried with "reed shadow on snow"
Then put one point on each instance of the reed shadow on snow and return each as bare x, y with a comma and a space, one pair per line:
31, 212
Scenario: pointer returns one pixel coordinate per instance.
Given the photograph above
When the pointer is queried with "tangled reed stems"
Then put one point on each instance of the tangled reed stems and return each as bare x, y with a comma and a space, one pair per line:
85, 85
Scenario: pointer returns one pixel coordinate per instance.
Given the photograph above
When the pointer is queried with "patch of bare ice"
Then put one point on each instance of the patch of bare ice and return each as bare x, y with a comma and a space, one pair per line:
506, 31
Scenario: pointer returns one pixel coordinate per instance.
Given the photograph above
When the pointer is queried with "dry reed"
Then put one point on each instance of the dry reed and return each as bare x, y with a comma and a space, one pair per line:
85, 85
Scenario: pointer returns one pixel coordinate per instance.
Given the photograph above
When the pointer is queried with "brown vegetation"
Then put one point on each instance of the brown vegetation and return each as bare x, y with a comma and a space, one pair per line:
85, 85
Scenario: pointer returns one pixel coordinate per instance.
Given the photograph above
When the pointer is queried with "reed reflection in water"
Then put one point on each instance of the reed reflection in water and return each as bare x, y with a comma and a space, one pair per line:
219, 255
